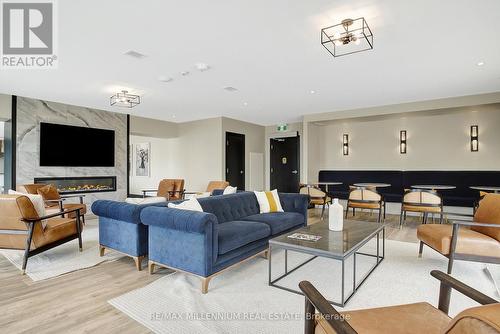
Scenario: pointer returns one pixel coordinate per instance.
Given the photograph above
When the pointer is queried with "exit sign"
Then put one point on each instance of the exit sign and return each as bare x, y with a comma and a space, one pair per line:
282, 127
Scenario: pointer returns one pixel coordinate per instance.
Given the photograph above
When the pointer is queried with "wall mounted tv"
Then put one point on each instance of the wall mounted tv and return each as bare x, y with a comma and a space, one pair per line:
76, 146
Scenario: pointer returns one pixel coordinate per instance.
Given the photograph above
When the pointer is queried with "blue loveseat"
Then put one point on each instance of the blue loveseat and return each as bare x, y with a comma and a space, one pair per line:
120, 228
230, 230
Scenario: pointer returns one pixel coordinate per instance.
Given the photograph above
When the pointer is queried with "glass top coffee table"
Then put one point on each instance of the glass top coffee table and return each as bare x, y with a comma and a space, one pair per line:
334, 245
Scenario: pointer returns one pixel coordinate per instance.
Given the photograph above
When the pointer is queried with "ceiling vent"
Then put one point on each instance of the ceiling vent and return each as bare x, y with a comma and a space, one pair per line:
230, 89
135, 54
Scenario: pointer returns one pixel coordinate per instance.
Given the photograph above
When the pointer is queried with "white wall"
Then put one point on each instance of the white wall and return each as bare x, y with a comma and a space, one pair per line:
437, 140
254, 142
164, 162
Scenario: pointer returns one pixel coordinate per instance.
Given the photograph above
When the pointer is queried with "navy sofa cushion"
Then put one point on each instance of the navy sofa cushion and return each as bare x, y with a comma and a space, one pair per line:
236, 234
278, 221
230, 207
126, 212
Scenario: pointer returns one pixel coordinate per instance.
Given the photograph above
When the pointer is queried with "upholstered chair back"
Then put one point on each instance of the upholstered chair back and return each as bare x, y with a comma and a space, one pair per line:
480, 319
167, 186
488, 212
13, 208
312, 191
212, 185
364, 194
422, 197
31, 188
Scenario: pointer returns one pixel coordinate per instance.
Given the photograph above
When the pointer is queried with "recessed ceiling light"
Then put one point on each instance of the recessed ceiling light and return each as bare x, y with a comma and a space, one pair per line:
202, 67
173, 116
230, 89
245, 103
164, 78
312, 92
135, 54
481, 63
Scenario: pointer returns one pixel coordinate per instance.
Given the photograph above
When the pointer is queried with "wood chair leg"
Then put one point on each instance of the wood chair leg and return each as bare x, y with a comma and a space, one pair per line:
265, 254
101, 250
420, 249
151, 267
346, 212
323, 211
401, 217
138, 262
204, 284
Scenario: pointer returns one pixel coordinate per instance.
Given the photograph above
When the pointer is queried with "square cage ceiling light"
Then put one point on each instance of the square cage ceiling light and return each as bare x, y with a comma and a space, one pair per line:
125, 99
349, 36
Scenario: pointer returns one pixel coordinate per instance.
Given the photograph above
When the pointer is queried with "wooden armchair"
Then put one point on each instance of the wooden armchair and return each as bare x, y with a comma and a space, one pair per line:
171, 189
365, 198
469, 240
22, 228
322, 318
316, 196
421, 201
55, 202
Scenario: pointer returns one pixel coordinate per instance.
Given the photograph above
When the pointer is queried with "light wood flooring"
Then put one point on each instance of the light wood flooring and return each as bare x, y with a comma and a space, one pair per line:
77, 302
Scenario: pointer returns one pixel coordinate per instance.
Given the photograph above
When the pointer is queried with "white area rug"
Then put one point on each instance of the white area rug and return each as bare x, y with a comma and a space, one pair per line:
64, 258
240, 300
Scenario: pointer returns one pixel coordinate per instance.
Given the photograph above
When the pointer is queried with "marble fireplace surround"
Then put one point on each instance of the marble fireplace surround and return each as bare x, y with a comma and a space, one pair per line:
30, 112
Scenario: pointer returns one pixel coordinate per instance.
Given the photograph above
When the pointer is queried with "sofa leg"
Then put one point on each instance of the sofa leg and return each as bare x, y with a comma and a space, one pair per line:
138, 262
101, 250
204, 284
151, 267
265, 254
420, 249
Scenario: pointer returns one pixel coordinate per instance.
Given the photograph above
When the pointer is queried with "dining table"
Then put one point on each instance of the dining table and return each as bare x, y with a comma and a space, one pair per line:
433, 187
372, 185
326, 184
493, 189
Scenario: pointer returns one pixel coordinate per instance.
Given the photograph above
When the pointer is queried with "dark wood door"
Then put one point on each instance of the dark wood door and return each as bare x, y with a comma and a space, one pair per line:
285, 166
235, 160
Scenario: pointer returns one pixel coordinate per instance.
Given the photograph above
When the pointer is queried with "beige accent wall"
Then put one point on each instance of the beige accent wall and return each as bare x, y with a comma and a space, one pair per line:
149, 127
437, 140
254, 142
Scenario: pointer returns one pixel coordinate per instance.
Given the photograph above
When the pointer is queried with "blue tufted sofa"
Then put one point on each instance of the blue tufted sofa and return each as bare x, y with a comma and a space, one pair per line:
230, 230
120, 228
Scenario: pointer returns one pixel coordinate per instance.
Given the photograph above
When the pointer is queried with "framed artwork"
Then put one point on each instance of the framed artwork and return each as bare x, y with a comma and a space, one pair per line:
142, 159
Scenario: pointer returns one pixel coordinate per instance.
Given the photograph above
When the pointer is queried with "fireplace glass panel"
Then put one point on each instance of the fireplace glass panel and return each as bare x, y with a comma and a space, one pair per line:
75, 185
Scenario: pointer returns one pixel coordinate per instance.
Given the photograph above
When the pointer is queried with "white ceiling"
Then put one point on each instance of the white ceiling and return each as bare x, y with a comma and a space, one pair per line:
270, 51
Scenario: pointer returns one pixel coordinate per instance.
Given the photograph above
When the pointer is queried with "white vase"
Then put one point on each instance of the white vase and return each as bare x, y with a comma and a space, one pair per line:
336, 216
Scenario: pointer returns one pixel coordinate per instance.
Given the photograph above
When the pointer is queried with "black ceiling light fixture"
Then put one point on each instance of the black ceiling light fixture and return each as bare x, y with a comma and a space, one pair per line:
124, 99
348, 37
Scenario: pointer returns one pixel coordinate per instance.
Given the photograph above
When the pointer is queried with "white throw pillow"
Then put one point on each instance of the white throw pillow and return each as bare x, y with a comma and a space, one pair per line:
147, 200
191, 204
269, 201
229, 190
38, 203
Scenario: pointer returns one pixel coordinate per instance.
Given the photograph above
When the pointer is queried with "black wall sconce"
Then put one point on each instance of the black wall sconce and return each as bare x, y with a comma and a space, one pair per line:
402, 141
474, 138
345, 144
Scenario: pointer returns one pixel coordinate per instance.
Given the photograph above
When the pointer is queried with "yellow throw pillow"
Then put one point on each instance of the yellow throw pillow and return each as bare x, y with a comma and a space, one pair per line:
269, 201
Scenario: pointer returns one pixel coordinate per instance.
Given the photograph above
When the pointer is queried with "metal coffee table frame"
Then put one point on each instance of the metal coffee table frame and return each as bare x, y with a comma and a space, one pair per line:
315, 252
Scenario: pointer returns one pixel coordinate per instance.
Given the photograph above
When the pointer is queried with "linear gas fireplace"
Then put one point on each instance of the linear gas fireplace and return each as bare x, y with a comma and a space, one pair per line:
78, 185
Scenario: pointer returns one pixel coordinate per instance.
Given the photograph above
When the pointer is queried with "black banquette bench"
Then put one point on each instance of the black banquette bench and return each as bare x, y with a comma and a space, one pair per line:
400, 180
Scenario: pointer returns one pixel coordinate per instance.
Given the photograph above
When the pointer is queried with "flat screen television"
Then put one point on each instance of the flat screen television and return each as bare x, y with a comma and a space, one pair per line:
76, 146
